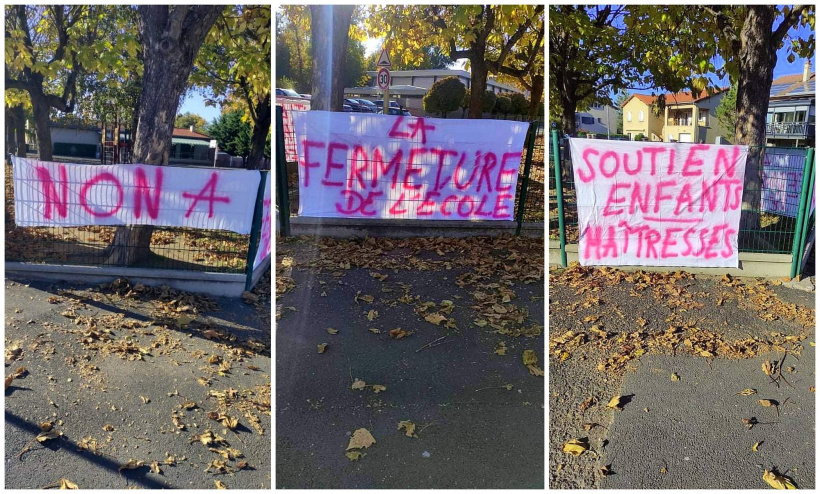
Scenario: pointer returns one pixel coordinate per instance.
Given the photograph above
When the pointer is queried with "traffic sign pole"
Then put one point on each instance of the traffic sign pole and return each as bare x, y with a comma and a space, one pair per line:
385, 64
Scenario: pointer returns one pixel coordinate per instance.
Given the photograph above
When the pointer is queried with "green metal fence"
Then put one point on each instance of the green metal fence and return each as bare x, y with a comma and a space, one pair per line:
185, 249
529, 200
782, 221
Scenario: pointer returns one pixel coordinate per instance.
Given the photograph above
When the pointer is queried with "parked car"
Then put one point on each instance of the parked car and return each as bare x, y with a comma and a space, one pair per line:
347, 108
368, 104
355, 105
305, 96
396, 111
380, 104
290, 93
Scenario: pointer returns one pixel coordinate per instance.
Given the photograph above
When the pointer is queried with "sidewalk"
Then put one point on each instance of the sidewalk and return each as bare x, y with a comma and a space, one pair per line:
624, 334
472, 431
132, 373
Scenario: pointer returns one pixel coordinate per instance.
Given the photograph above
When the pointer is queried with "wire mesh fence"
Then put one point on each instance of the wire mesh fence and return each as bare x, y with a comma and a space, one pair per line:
404, 206
188, 249
768, 228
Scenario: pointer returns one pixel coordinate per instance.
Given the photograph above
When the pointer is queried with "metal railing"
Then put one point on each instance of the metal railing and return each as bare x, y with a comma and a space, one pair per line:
782, 219
789, 128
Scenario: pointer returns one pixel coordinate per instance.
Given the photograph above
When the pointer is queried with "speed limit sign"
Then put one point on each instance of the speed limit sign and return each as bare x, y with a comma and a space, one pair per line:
383, 78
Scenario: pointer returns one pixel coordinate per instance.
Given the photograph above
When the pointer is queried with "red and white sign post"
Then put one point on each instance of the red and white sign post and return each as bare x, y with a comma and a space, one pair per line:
383, 78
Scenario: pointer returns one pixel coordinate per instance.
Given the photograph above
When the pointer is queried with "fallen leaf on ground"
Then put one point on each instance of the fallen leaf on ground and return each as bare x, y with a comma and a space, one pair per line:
747, 392
131, 465
606, 470
108, 428
778, 481
372, 314
362, 438
322, 347
615, 403
332, 331
768, 368
358, 384
435, 318
155, 467
220, 485
675, 377
480, 323
663, 470
399, 333
530, 360
501, 349
62, 484
377, 388
587, 403
374, 330
756, 445
409, 428
766, 403
576, 447
145, 399
355, 455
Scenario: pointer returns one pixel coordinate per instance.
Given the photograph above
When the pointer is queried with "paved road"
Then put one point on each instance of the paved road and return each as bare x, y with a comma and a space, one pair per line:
699, 416
77, 379
476, 433
694, 427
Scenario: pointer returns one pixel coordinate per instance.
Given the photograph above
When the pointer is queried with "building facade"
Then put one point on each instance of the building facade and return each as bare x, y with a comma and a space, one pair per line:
685, 117
597, 119
790, 119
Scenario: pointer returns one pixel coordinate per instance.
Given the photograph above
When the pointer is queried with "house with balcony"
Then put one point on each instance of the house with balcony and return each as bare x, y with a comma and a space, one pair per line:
686, 117
790, 119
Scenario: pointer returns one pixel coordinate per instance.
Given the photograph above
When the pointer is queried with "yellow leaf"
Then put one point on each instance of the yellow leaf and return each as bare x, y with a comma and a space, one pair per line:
155, 467
756, 445
767, 368
322, 347
145, 399
766, 403
355, 455
372, 314
675, 377
374, 330
529, 357
409, 428
747, 392
399, 333
778, 481
332, 331
362, 438
220, 485
377, 388
67, 484
435, 318
576, 447
131, 465
358, 384
615, 403
501, 349
480, 323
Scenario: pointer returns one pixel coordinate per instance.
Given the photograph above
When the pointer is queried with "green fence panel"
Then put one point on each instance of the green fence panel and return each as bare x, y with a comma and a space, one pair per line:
282, 177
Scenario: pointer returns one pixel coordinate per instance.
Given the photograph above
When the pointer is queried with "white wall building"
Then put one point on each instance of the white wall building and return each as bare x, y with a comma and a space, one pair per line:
597, 119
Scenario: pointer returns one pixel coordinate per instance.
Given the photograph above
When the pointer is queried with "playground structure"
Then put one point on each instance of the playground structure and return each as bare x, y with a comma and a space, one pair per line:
117, 140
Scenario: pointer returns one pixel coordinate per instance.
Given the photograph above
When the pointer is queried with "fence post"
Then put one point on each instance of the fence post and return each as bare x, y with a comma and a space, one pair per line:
559, 187
525, 183
801, 211
256, 229
804, 233
282, 201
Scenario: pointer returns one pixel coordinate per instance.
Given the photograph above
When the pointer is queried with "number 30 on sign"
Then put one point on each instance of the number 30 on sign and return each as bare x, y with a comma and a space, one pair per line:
383, 78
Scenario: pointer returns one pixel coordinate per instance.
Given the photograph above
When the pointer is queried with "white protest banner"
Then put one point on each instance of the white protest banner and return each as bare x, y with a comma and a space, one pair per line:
289, 106
658, 204
354, 165
782, 180
263, 249
60, 194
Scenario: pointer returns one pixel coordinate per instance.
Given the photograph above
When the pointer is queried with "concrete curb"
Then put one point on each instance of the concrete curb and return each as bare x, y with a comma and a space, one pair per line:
752, 264
216, 284
397, 228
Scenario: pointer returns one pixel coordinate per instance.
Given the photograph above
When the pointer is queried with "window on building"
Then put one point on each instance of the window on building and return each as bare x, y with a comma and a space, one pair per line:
640, 116
629, 115
587, 120
703, 117
800, 116
599, 121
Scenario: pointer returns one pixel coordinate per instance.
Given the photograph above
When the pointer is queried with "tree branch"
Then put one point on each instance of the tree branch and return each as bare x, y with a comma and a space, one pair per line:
788, 21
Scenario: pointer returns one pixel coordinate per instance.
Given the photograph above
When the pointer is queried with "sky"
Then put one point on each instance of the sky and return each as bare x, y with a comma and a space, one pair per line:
195, 103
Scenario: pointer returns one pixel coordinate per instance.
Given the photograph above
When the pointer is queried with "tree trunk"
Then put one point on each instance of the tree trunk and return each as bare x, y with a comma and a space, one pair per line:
757, 58
261, 127
171, 37
329, 26
42, 124
20, 130
478, 84
535, 96
568, 106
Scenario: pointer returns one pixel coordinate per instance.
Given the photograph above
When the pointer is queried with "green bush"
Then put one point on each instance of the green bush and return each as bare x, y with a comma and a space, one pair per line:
444, 96
489, 102
520, 105
503, 104
639, 137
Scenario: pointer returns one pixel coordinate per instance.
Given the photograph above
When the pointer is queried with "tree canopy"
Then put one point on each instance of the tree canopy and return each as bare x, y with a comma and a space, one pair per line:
188, 119
444, 96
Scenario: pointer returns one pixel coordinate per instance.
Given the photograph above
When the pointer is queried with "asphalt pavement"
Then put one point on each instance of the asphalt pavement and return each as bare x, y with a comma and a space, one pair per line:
124, 376
472, 431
